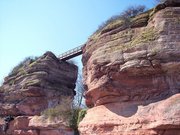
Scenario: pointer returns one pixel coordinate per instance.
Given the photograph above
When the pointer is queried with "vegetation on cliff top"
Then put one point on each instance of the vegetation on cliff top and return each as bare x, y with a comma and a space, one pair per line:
134, 16
19, 67
160, 1
123, 18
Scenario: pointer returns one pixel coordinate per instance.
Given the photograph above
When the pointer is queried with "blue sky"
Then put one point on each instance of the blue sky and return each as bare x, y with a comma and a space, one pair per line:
32, 27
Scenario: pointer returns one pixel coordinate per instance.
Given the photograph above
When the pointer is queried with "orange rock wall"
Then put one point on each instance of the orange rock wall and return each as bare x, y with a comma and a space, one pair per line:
132, 76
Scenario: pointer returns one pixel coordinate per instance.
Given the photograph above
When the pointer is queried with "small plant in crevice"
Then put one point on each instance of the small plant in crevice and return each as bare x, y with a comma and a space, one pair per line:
77, 115
73, 120
81, 115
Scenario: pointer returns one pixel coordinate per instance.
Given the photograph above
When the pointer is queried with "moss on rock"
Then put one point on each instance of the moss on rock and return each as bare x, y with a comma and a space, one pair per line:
147, 35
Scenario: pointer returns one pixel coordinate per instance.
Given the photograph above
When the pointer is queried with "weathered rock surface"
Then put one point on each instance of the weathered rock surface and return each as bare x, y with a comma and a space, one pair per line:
132, 75
38, 125
32, 88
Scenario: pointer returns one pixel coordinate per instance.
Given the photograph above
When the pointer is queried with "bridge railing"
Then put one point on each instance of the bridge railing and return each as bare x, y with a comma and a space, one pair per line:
71, 53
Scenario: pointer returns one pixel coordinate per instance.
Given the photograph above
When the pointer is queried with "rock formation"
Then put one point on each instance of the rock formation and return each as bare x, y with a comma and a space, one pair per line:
32, 88
132, 75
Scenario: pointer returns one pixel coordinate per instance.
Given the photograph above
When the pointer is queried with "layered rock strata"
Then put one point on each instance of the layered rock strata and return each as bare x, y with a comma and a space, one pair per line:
32, 88
132, 75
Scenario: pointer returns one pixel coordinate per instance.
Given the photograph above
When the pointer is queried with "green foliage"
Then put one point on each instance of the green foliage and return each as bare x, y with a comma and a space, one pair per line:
77, 115
81, 115
74, 118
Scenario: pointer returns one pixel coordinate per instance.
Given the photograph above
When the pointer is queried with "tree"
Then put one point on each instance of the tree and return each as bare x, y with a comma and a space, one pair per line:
160, 1
79, 98
126, 15
132, 11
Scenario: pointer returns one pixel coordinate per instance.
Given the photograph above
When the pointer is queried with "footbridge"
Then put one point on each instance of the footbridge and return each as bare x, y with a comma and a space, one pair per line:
71, 53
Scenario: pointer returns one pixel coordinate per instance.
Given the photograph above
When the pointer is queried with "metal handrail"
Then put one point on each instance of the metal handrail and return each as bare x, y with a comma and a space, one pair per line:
71, 53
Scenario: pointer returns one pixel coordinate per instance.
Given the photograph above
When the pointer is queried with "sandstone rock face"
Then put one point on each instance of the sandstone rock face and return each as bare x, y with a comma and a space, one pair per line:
132, 75
34, 87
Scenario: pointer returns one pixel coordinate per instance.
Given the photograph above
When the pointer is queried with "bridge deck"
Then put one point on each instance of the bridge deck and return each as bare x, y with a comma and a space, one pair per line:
71, 53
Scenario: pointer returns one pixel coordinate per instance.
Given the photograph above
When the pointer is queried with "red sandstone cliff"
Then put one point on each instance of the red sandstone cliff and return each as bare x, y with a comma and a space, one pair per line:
32, 88
132, 75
